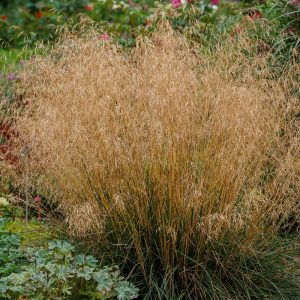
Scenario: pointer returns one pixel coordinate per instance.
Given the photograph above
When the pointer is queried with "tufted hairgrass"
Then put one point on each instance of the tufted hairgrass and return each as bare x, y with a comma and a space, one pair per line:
181, 166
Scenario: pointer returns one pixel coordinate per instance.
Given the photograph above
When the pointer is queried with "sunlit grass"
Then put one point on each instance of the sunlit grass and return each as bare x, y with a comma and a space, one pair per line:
174, 164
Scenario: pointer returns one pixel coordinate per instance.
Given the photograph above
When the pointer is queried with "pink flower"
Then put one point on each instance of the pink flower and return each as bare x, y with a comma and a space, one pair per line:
256, 15
294, 2
89, 7
130, 2
104, 36
37, 199
214, 2
39, 14
176, 3
12, 76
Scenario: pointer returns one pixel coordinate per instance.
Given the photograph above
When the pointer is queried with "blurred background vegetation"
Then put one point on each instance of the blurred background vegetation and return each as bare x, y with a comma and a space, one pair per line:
24, 22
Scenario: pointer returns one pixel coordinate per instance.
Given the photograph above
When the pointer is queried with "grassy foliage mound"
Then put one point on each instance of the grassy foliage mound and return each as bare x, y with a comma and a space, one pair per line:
180, 166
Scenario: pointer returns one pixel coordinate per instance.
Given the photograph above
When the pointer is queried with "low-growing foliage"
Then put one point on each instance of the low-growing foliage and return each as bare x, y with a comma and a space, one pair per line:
55, 271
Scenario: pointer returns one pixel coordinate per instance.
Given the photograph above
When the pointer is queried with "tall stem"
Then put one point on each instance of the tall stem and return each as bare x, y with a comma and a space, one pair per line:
27, 197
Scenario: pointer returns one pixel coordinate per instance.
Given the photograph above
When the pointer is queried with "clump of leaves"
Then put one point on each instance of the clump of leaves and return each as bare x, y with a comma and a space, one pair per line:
55, 272
10, 256
284, 17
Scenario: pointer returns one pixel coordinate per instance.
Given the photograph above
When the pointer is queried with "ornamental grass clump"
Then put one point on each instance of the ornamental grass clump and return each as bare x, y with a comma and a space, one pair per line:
170, 162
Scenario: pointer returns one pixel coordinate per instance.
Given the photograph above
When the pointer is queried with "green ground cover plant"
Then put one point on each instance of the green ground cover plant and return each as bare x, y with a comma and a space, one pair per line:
51, 269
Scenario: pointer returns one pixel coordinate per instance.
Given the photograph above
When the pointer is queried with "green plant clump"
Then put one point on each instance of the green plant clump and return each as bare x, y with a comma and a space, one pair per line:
55, 272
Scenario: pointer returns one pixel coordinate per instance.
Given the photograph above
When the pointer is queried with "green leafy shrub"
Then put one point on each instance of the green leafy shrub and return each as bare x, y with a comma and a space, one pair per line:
201, 21
10, 256
55, 272
25, 22
284, 19
272, 25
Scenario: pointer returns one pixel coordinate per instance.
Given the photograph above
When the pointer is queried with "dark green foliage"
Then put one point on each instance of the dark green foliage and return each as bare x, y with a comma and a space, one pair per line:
10, 257
54, 271
25, 22
284, 20
258, 276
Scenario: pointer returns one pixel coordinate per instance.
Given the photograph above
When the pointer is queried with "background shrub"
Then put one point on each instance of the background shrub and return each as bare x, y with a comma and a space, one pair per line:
26, 22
